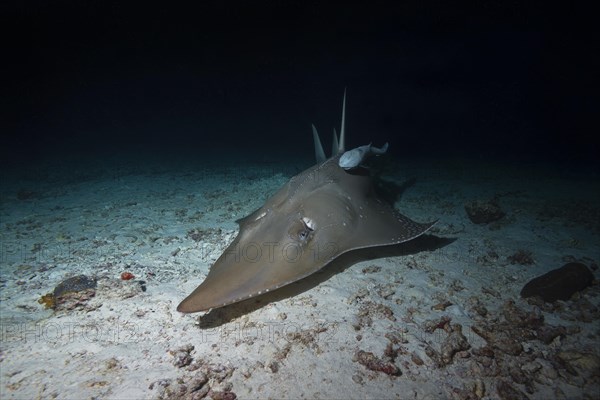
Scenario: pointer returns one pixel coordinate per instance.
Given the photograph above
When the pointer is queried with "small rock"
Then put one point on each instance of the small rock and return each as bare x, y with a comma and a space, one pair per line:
483, 212
547, 369
479, 388
373, 363
523, 257
224, 395
431, 325
72, 293
181, 355
197, 382
547, 333
507, 392
371, 269
517, 317
587, 364
455, 342
531, 367
441, 306
273, 366
416, 359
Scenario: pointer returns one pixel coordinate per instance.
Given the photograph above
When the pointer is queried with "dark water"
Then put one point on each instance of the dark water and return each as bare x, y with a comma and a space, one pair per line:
100, 81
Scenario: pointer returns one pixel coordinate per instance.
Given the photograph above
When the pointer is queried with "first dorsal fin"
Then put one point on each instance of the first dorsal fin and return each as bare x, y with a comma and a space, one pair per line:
338, 146
335, 146
341, 147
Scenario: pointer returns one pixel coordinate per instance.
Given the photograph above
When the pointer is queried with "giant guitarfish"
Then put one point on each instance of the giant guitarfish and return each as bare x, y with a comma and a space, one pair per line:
318, 215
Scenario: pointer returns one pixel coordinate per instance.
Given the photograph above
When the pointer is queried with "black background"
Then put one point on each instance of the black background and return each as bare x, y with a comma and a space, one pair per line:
500, 79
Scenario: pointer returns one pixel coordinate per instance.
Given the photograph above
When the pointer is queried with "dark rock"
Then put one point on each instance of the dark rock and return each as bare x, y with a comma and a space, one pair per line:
74, 284
483, 212
559, 284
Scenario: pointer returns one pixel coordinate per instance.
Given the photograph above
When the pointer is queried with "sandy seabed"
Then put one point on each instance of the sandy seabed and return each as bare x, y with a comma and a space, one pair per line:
438, 317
